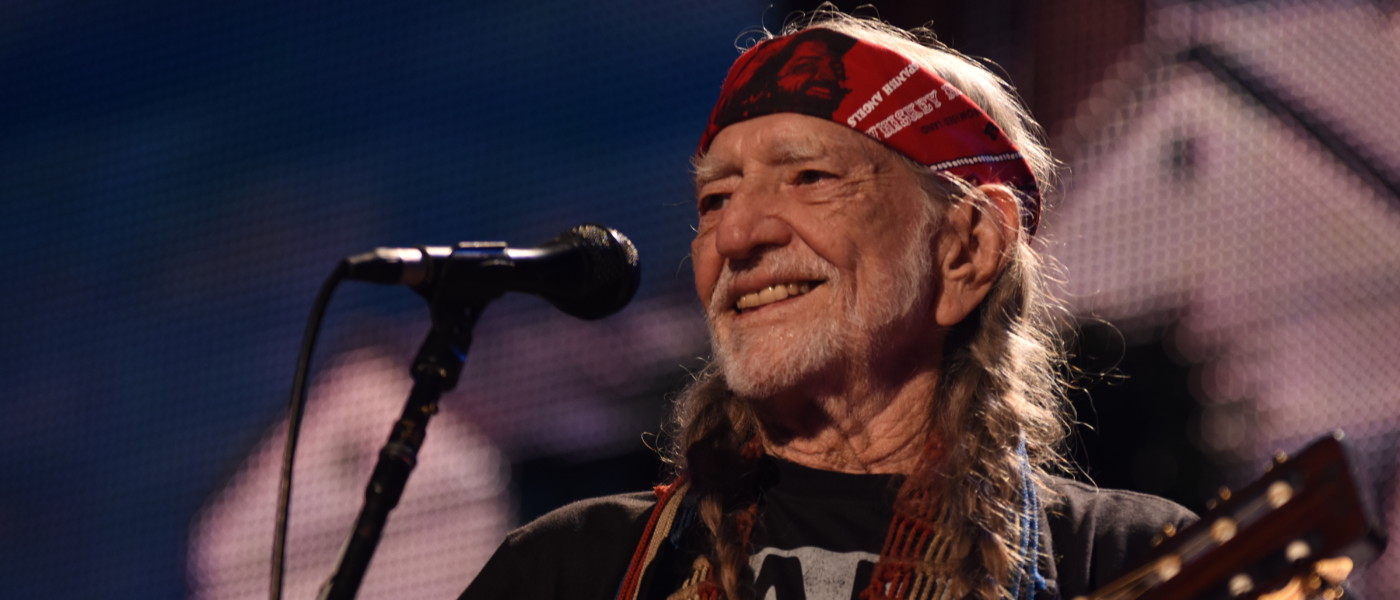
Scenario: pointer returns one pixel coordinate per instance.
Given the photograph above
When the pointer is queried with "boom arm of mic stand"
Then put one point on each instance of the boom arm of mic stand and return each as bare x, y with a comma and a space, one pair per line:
435, 370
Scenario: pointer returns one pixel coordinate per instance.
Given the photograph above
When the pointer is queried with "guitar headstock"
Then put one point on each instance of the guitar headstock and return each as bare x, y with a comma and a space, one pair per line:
1305, 509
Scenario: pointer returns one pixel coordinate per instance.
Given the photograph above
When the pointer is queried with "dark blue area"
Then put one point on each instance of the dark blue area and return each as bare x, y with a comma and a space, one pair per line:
177, 178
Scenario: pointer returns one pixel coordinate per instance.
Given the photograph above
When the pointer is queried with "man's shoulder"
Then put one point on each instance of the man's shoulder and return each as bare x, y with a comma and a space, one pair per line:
1096, 532
1089, 505
603, 515
580, 550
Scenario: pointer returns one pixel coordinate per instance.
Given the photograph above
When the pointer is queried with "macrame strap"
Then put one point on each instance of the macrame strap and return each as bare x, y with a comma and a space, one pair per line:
913, 563
669, 498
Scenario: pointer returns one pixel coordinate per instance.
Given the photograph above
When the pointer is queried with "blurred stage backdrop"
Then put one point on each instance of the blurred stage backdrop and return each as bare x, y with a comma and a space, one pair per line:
178, 178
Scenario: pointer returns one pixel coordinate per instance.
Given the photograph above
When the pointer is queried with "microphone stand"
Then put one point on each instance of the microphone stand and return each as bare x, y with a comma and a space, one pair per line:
435, 370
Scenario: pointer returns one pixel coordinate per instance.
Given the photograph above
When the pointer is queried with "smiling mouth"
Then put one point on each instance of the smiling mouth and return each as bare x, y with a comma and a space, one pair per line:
773, 293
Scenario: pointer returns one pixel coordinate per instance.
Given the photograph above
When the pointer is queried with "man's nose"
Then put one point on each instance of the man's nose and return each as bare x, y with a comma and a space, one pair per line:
750, 224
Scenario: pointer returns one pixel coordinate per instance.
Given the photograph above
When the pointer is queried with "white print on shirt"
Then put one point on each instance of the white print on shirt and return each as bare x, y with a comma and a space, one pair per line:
826, 575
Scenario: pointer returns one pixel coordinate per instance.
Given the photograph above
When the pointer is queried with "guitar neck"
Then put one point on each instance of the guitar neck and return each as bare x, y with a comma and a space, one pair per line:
1302, 510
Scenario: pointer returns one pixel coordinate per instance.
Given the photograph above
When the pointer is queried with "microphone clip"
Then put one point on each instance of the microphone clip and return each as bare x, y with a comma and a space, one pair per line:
455, 302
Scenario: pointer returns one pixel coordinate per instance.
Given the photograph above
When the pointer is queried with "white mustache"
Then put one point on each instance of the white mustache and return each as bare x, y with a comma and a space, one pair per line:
779, 265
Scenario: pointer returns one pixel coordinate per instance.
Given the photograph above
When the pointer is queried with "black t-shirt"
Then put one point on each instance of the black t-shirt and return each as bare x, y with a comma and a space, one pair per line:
582, 551
818, 536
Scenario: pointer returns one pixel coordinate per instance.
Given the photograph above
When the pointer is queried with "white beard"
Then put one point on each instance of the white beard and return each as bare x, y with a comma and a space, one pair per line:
846, 337
760, 364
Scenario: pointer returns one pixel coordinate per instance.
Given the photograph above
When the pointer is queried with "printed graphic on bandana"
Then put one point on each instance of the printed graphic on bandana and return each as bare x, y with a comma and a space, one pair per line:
809, 573
877, 91
802, 74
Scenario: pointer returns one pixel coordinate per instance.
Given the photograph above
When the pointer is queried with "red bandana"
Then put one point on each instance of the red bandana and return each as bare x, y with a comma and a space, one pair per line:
876, 91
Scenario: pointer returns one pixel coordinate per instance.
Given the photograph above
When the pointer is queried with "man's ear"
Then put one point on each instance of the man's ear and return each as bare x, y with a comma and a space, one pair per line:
972, 251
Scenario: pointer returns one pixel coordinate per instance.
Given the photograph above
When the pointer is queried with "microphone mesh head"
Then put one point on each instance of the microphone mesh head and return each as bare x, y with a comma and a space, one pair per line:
611, 268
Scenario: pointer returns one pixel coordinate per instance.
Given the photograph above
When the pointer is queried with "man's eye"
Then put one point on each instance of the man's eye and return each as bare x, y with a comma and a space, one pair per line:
711, 202
811, 176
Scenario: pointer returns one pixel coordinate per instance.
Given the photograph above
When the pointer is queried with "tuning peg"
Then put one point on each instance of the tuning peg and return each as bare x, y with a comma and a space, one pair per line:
1279, 493
1222, 495
1223, 530
1240, 585
1312, 585
1167, 567
1329, 573
1168, 531
1297, 550
1280, 457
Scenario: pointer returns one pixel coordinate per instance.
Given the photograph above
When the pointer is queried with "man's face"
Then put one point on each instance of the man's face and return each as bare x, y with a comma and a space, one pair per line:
813, 256
811, 71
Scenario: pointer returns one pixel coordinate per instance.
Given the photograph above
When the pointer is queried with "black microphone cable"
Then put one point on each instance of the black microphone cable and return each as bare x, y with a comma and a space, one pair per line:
296, 407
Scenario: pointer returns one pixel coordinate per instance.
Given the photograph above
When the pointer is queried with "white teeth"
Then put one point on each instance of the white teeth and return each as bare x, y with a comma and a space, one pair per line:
771, 294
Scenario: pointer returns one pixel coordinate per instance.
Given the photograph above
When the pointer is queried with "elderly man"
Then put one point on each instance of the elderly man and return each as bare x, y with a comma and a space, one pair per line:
882, 408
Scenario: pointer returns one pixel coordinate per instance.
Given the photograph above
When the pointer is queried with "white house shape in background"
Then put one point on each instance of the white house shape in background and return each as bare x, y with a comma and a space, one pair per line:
453, 514
1275, 264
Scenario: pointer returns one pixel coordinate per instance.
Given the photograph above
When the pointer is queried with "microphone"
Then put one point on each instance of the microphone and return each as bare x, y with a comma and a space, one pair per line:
588, 272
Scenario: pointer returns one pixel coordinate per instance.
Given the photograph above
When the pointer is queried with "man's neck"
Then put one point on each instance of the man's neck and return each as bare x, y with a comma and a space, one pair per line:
864, 430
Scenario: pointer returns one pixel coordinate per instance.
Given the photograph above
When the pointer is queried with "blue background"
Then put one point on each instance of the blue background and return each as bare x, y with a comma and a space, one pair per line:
177, 179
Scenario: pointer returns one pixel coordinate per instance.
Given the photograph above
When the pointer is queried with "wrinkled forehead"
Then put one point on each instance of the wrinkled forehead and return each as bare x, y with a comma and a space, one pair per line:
882, 94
